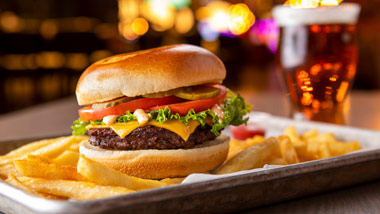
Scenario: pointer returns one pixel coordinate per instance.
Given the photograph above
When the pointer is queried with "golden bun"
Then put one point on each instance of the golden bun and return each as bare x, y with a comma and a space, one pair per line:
157, 164
148, 71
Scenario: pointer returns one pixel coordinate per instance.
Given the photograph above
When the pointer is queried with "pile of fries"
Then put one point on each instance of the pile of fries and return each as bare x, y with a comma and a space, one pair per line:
54, 169
289, 148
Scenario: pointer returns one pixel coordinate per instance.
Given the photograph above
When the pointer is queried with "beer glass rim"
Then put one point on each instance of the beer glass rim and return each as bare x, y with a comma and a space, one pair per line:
345, 13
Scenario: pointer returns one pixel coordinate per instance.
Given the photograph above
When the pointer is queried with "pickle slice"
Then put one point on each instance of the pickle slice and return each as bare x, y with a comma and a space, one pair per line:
198, 92
163, 93
112, 103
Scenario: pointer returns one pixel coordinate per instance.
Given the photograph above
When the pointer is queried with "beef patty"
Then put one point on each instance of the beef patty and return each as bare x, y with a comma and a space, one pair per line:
148, 137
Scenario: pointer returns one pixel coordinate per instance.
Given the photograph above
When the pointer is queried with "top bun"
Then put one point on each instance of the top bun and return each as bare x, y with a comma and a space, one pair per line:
148, 71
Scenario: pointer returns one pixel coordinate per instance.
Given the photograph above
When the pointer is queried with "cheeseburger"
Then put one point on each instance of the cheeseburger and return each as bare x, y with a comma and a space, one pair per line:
157, 113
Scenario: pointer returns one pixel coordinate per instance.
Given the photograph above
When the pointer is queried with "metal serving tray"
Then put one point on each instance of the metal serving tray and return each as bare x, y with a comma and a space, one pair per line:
226, 194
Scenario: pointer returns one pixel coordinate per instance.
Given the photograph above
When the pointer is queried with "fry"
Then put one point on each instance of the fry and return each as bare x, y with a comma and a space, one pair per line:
7, 169
288, 152
237, 146
79, 190
12, 179
277, 161
101, 174
15, 182
39, 145
51, 196
324, 151
299, 144
253, 157
28, 148
49, 148
68, 157
292, 134
55, 149
309, 134
38, 169
36, 158
340, 148
301, 149
74, 147
172, 181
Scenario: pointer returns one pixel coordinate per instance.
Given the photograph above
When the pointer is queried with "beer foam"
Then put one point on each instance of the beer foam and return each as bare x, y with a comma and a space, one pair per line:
345, 13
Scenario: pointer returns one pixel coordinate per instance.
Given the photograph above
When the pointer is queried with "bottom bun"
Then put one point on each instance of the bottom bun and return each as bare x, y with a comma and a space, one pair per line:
157, 164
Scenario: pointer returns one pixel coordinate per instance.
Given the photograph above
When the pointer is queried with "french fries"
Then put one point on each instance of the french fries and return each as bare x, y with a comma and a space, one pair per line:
75, 146
57, 148
312, 146
37, 159
67, 157
288, 152
299, 145
79, 190
7, 169
237, 146
101, 174
48, 148
253, 157
290, 148
340, 148
12, 179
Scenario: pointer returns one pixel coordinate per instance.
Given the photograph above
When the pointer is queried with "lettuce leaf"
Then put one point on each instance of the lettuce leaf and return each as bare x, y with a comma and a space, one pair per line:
79, 126
234, 110
128, 116
162, 115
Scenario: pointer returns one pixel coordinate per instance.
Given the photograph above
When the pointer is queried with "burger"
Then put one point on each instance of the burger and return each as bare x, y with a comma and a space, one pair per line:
157, 113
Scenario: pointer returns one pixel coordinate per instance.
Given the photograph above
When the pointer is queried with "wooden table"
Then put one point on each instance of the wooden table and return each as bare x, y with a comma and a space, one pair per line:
362, 109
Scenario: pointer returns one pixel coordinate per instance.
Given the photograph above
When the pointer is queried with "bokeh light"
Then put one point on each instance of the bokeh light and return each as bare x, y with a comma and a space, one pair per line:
160, 13
49, 29
127, 32
10, 22
140, 26
207, 33
128, 11
212, 46
184, 21
265, 32
241, 18
215, 13
225, 18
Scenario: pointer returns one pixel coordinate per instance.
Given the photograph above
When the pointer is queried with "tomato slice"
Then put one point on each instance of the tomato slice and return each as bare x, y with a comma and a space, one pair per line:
88, 113
197, 105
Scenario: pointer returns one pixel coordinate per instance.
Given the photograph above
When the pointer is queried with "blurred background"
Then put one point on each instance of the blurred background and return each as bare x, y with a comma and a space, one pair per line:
46, 44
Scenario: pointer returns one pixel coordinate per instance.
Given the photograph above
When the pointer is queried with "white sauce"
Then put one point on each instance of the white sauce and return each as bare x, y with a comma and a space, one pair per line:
110, 119
141, 115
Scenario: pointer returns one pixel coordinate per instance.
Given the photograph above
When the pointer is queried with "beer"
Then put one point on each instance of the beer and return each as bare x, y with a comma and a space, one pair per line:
317, 58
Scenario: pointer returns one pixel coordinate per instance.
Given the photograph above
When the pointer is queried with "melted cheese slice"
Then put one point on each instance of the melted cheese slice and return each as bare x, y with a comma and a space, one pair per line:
124, 129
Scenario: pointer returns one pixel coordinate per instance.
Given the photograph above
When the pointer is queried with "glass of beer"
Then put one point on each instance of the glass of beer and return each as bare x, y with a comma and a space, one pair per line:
317, 57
